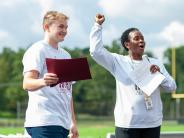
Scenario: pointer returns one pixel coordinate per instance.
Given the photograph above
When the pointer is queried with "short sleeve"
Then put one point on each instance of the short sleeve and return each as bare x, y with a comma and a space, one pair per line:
33, 59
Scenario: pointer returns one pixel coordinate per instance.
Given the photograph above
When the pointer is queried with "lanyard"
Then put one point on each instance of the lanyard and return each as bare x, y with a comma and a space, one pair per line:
147, 99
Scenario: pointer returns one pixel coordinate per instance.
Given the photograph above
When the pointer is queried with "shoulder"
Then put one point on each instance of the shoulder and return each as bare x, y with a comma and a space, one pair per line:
36, 47
40, 45
155, 61
35, 50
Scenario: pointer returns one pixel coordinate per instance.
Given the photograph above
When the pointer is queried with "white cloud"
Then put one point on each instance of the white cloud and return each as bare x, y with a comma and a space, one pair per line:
56, 5
23, 19
158, 52
156, 44
151, 16
76, 32
3, 35
45, 4
11, 3
110, 33
5, 39
114, 7
142, 10
173, 33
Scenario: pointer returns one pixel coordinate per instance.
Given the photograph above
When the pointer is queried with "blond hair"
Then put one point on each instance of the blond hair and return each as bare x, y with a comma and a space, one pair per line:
52, 16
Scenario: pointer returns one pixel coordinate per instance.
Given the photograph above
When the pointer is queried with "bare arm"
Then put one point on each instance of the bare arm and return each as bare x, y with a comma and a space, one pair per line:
32, 81
73, 130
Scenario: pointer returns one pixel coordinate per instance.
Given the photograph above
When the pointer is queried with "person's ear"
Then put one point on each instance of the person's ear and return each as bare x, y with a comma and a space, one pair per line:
45, 27
126, 44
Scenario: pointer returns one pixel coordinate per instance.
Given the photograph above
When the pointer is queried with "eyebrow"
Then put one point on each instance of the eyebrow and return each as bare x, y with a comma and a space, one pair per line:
62, 25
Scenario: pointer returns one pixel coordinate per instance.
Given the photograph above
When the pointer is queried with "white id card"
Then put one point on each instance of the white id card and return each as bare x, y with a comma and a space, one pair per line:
148, 102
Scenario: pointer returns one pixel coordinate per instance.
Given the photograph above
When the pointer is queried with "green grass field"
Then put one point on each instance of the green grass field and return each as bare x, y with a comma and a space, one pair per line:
97, 127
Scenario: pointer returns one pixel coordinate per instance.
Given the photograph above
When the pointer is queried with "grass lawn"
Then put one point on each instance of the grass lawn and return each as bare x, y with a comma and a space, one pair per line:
97, 127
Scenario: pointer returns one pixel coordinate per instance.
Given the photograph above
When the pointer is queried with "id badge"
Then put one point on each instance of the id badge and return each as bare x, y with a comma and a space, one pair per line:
148, 102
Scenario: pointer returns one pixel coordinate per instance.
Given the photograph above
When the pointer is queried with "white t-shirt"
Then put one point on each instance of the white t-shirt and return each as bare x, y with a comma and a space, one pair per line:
130, 109
48, 105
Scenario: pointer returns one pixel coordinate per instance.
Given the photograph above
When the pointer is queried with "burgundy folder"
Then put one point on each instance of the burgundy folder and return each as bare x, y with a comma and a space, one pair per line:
69, 69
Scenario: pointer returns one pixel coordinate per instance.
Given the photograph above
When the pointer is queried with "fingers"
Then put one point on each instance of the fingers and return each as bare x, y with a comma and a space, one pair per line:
73, 132
154, 68
99, 18
73, 135
50, 78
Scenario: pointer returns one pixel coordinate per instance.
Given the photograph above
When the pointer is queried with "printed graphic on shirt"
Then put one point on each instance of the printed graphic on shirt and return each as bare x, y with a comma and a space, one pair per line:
65, 87
138, 90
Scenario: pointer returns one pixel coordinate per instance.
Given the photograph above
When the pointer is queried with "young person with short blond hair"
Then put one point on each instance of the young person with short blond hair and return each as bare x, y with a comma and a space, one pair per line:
50, 112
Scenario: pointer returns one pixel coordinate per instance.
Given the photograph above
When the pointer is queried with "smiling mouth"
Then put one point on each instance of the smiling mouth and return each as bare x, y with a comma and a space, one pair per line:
62, 34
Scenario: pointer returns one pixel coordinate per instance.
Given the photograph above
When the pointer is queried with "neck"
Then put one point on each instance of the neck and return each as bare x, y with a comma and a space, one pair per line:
135, 56
51, 42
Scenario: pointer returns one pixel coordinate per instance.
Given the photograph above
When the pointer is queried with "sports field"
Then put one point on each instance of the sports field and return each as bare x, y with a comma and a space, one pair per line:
97, 127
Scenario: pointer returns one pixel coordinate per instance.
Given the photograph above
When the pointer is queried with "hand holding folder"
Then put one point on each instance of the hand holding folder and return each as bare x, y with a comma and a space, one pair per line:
69, 69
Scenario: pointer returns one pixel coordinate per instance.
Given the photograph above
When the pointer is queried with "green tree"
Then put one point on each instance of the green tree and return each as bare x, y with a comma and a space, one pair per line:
95, 96
11, 79
6, 61
179, 66
168, 100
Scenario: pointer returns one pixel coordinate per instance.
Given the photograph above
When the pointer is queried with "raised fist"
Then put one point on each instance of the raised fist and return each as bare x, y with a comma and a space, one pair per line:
99, 18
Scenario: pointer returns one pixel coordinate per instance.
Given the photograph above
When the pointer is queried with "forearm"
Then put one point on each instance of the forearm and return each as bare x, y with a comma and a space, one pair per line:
73, 129
33, 84
168, 84
73, 113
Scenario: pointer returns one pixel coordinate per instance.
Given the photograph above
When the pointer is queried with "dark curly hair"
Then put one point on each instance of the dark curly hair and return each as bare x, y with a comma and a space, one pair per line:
125, 36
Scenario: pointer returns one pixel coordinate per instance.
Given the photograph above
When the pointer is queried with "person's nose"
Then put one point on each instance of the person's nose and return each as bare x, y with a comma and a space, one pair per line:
141, 41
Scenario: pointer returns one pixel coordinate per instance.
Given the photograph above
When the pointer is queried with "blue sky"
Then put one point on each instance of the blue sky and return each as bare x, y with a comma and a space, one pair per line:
161, 21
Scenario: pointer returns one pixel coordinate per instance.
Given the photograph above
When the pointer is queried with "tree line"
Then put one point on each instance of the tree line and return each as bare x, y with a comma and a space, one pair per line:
95, 96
